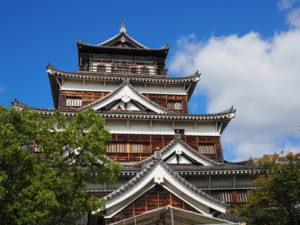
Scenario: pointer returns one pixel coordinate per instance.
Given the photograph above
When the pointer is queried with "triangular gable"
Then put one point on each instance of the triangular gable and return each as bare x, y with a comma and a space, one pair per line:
158, 173
178, 152
122, 40
131, 105
127, 94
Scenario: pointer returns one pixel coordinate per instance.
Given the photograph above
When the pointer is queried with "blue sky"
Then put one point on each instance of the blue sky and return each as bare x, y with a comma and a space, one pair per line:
34, 33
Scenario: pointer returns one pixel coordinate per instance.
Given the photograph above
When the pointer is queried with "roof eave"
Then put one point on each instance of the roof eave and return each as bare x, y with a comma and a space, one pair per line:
163, 51
192, 79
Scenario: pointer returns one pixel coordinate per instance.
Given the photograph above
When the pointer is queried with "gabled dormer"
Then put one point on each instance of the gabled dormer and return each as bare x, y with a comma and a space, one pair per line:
123, 55
126, 98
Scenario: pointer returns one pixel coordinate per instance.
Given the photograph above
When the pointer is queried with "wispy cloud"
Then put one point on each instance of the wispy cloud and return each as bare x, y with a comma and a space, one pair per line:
286, 4
2, 89
293, 18
259, 77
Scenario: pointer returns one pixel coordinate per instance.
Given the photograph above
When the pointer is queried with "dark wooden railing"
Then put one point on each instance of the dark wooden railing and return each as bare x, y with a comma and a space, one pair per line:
123, 69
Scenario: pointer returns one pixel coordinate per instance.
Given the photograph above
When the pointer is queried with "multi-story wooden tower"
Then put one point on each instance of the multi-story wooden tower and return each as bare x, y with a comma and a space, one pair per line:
174, 169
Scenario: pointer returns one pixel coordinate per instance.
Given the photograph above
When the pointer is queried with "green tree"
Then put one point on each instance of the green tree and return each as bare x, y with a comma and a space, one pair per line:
49, 187
276, 199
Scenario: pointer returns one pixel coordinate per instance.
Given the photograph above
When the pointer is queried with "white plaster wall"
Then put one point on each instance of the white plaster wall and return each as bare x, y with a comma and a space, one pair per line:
116, 124
71, 83
88, 85
92, 85
160, 127
160, 88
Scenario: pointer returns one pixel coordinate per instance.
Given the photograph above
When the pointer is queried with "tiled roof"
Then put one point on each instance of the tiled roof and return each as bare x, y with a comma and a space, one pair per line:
118, 36
175, 175
52, 71
169, 146
124, 38
102, 45
224, 116
134, 168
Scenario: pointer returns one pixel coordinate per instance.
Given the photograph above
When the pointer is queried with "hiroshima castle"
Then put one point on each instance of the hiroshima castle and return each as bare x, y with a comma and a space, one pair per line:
174, 171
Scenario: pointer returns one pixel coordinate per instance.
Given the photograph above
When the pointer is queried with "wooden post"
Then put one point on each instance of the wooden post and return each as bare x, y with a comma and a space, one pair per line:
172, 218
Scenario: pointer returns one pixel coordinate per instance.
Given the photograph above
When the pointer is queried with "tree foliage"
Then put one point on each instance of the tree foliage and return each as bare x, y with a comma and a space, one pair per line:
49, 187
276, 199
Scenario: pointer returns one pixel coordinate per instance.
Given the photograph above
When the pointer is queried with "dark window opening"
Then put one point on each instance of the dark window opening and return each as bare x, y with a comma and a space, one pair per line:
101, 68
133, 70
145, 70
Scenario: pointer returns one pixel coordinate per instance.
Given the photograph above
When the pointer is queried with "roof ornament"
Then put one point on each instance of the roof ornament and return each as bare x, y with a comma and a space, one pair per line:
126, 79
157, 155
177, 135
123, 28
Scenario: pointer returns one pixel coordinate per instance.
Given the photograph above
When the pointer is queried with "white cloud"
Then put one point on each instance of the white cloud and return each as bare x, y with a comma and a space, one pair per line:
261, 78
293, 18
286, 4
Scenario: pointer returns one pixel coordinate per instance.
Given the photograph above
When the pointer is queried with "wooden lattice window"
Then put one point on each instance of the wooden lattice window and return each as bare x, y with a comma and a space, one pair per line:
175, 105
121, 147
74, 101
207, 148
231, 196
116, 147
242, 197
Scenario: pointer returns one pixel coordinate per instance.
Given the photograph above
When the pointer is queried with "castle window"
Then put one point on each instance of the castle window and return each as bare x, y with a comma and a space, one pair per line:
174, 105
74, 101
33, 146
121, 147
145, 70
206, 148
116, 147
139, 147
114, 69
122, 69
101, 68
133, 69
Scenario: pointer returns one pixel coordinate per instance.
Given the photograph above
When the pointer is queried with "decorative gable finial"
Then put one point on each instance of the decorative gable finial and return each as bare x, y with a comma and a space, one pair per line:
177, 135
123, 28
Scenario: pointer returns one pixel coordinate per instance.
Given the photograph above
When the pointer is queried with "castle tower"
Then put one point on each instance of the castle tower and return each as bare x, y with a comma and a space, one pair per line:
173, 161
